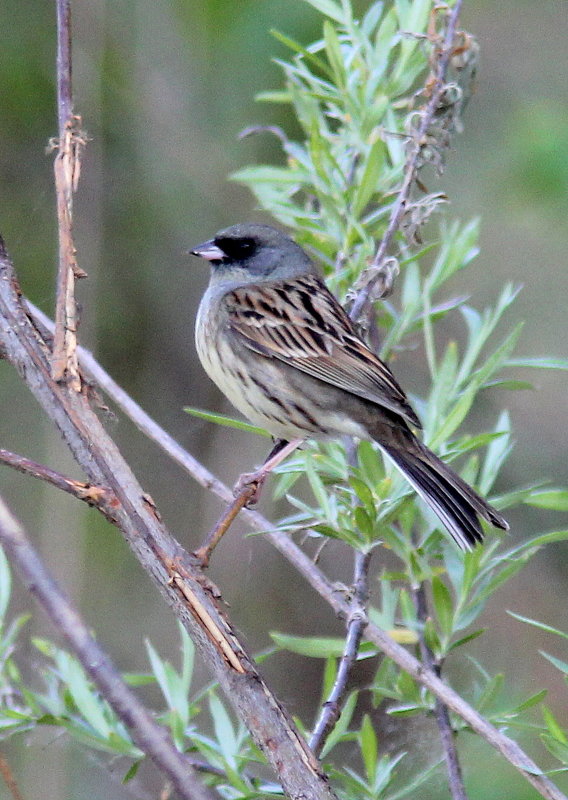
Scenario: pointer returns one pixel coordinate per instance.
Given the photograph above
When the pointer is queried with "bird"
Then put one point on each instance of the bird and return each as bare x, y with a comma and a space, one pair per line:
286, 354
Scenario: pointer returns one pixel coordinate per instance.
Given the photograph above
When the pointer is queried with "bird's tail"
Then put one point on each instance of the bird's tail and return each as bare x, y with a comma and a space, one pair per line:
456, 504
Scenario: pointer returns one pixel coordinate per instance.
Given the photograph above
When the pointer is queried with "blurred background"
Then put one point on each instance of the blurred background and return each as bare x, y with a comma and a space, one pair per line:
164, 87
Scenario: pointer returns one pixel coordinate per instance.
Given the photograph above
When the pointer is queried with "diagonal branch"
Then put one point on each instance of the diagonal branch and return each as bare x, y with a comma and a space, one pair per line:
147, 734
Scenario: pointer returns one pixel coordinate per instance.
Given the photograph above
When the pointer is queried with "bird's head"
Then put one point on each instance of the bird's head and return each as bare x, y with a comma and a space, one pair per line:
252, 253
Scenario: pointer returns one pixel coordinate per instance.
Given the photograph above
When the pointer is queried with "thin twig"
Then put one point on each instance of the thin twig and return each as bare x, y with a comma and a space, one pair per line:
509, 749
82, 491
455, 778
333, 706
147, 734
66, 169
203, 553
9, 779
363, 297
247, 492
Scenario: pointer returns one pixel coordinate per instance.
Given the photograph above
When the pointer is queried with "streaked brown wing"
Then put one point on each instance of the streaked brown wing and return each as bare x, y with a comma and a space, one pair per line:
301, 323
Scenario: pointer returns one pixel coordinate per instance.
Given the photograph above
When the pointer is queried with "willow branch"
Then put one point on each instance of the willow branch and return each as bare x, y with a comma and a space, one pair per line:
193, 599
333, 706
377, 268
146, 733
455, 778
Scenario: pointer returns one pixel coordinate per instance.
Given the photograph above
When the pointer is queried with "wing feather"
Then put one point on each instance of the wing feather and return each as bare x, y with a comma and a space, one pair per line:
301, 323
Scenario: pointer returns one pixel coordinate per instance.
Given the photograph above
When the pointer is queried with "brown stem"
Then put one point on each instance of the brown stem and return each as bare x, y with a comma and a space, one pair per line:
66, 169
148, 735
82, 491
247, 492
455, 778
333, 706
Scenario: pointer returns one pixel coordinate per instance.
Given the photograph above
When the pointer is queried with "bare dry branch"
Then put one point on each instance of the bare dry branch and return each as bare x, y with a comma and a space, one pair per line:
82, 491
67, 169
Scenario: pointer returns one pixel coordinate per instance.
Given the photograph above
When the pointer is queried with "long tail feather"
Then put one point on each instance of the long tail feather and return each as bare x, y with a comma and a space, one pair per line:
456, 504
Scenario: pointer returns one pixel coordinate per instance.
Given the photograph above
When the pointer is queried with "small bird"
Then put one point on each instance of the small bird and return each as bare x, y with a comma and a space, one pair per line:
282, 349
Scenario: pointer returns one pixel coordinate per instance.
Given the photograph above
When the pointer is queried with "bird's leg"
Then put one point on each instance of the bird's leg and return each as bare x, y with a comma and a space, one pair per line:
254, 481
246, 491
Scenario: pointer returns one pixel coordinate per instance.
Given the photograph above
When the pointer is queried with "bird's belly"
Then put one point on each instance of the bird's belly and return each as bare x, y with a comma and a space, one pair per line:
269, 394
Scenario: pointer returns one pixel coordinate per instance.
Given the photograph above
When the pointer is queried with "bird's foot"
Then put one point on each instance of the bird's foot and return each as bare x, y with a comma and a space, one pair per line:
251, 483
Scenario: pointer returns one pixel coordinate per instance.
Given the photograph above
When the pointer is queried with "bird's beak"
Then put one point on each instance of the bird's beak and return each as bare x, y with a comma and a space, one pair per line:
209, 251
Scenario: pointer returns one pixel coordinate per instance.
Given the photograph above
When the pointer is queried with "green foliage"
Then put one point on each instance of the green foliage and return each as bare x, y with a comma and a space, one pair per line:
352, 93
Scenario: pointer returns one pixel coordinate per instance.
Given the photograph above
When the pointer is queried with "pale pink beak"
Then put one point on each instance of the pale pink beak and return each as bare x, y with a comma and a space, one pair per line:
209, 251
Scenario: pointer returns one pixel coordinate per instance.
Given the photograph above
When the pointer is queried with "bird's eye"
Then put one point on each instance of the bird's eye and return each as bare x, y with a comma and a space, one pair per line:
236, 249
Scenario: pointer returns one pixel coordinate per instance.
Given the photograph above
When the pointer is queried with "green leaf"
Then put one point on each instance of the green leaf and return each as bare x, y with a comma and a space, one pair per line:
363, 492
409, 789
530, 702
490, 693
466, 639
342, 724
329, 676
84, 696
443, 388
555, 499
561, 665
160, 671
224, 730
317, 646
270, 175
298, 48
536, 624
329, 8
558, 749
131, 771
334, 54
443, 605
318, 488
497, 452
369, 748
369, 180
273, 97
228, 422
554, 728
370, 463
364, 523
538, 363
460, 409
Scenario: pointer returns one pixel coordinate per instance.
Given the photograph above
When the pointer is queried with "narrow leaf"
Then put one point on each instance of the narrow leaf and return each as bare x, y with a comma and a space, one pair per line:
228, 422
